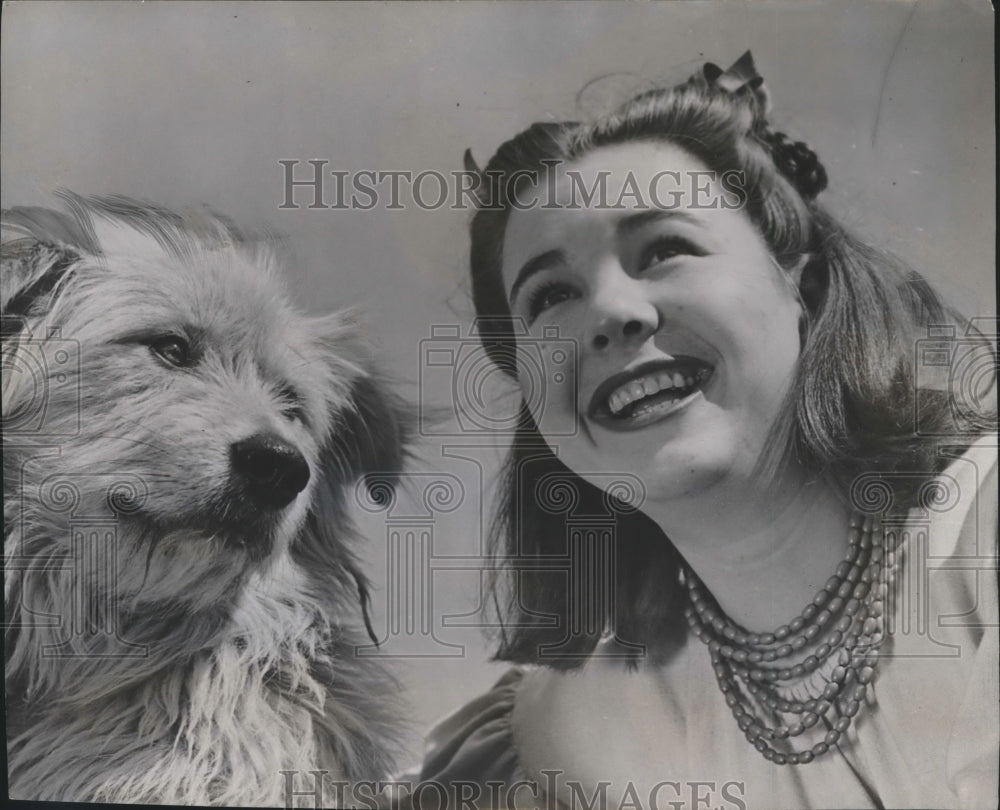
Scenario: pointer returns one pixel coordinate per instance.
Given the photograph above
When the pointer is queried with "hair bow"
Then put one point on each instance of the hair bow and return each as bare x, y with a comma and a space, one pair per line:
741, 78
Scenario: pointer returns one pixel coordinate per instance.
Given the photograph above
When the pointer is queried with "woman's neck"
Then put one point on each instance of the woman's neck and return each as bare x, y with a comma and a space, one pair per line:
762, 555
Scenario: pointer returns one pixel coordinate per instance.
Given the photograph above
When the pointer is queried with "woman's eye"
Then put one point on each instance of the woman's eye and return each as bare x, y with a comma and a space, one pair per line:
664, 249
547, 296
173, 350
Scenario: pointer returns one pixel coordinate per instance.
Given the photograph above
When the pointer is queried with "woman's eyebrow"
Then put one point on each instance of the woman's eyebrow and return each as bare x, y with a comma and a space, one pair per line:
543, 261
629, 224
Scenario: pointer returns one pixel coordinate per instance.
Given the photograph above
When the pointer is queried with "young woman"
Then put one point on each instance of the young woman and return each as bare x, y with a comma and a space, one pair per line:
752, 542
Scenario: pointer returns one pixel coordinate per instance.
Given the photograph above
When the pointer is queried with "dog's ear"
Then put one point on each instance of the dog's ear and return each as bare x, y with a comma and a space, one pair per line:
125, 227
372, 434
39, 248
372, 424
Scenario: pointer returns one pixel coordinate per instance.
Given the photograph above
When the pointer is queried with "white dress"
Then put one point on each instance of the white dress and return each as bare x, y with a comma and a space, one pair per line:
663, 737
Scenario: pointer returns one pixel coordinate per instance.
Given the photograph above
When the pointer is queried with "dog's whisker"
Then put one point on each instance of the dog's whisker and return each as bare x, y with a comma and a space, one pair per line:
136, 422
149, 557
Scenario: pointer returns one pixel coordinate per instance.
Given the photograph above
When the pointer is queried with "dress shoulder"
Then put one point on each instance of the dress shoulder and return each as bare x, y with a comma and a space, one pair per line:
476, 743
974, 741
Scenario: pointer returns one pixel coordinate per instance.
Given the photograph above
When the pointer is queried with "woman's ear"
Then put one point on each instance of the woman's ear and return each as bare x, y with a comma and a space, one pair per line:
795, 271
801, 277
810, 275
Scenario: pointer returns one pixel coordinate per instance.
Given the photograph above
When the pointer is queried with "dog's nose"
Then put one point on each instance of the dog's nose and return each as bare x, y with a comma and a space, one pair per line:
271, 469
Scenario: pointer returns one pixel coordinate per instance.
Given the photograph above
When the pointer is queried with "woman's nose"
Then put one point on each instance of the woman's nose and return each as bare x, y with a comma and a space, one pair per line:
622, 314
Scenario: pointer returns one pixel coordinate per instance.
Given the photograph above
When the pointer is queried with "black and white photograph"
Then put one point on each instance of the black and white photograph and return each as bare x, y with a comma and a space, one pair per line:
500, 405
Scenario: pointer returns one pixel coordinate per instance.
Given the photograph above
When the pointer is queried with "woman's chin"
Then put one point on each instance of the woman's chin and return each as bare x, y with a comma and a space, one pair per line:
673, 479
679, 468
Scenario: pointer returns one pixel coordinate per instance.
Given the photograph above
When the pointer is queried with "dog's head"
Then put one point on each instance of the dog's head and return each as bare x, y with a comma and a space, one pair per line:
185, 397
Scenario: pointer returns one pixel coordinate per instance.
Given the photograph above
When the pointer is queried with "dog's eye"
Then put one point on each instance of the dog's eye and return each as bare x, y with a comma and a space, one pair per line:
172, 349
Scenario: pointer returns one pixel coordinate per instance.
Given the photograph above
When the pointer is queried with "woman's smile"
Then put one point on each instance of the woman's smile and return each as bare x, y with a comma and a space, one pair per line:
648, 392
686, 329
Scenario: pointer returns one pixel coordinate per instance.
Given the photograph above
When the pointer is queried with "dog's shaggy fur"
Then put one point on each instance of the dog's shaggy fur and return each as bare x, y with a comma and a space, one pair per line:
179, 632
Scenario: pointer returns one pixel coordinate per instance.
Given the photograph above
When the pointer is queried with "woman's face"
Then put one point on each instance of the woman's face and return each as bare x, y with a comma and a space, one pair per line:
685, 330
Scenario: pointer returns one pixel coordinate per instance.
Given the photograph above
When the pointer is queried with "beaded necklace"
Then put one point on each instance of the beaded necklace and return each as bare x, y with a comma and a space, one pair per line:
841, 630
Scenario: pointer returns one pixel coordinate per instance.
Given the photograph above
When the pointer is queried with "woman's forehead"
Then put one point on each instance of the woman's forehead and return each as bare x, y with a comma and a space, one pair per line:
640, 160
592, 196
618, 176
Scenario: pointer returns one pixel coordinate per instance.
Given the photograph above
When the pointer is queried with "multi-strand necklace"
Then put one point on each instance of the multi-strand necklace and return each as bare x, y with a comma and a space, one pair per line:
837, 636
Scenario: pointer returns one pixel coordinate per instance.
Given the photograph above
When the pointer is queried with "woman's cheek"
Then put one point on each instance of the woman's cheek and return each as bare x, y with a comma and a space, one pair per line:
548, 374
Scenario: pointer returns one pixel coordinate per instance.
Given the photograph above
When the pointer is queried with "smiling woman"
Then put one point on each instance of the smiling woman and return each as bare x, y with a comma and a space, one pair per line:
679, 314
733, 608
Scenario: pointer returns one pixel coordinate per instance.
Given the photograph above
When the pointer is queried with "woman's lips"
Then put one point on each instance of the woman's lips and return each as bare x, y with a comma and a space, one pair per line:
648, 393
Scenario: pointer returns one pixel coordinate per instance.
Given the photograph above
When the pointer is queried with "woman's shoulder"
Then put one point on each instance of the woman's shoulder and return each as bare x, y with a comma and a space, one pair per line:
944, 654
475, 743
959, 506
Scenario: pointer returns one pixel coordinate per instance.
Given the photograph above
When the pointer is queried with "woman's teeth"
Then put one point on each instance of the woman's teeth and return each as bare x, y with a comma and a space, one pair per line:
647, 386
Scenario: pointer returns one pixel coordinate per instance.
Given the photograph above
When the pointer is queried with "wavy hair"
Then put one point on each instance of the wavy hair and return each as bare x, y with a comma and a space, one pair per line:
851, 409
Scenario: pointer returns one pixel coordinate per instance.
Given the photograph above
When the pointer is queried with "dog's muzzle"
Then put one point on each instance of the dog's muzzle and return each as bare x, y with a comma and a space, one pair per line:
269, 469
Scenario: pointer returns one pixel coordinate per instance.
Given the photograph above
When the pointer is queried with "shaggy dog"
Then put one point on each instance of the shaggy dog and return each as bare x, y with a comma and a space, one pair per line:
179, 445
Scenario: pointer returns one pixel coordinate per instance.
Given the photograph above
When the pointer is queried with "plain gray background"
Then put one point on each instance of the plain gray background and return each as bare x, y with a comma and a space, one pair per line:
189, 103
